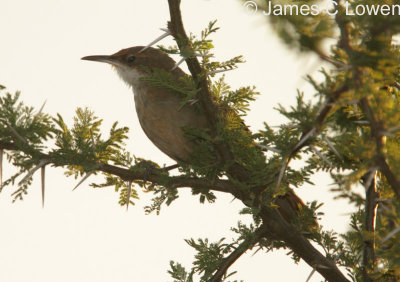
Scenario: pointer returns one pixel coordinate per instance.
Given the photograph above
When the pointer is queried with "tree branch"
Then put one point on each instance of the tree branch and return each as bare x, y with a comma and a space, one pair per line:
277, 224
341, 21
376, 132
153, 175
239, 251
279, 229
371, 196
205, 96
323, 114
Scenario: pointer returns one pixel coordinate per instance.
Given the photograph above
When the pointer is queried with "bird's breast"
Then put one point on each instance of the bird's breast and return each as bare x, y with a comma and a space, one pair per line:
162, 120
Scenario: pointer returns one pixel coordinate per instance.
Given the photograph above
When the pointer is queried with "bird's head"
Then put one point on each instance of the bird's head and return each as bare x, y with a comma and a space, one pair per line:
132, 63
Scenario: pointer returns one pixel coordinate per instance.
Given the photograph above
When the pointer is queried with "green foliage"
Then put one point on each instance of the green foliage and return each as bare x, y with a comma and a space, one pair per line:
202, 47
179, 273
185, 86
24, 128
207, 258
80, 149
305, 32
238, 100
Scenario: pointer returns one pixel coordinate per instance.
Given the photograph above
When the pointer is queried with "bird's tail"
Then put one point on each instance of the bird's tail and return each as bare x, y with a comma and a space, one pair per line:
289, 206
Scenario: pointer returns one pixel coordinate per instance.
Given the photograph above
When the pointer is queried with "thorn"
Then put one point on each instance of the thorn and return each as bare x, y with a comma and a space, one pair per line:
40, 110
361, 122
384, 200
336, 63
323, 105
337, 183
321, 155
371, 176
259, 248
192, 101
178, 63
41, 163
92, 139
384, 203
161, 37
218, 71
391, 234
386, 133
287, 126
206, 55
311, 274
321, 266
394, 128
22, 139
1, 169
305, 138
43, 184
281, 173
329, 143
83, 179
268, 148
128, 196
344, 68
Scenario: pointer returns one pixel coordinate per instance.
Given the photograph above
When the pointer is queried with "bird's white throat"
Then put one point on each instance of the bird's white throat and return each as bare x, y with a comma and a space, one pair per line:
131, 77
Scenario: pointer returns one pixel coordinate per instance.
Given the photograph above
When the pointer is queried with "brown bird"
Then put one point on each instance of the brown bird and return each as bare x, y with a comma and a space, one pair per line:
159, 109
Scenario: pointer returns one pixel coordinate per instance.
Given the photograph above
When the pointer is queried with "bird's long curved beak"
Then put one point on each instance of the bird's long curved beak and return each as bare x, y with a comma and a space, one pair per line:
103, 59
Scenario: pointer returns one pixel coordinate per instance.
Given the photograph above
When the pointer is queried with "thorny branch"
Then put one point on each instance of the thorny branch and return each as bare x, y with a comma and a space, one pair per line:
376, 131
278, 227
369, 258
153, 175
204, 95
369, 180
240, 250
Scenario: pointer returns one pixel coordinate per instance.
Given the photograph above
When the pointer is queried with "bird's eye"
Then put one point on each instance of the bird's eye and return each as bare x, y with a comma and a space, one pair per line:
131, 59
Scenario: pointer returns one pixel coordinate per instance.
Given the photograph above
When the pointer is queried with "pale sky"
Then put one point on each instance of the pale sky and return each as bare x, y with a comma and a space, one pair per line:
85, 236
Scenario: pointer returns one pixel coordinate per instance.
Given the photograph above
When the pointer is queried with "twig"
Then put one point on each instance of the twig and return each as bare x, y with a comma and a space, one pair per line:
268, 148
329, 143
344, 41
391, 234
369, 259
321, 155
16, 134
248, 243
376, 129
218, 71
304, 138
41, 164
